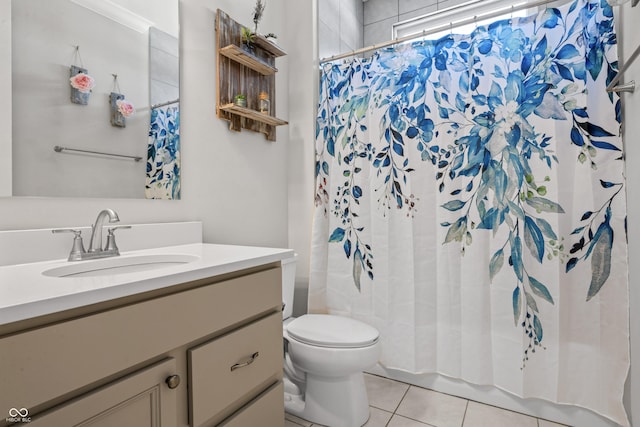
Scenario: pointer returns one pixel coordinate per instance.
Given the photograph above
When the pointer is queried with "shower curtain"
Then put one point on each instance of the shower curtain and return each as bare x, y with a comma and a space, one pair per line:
163, 154
470, 204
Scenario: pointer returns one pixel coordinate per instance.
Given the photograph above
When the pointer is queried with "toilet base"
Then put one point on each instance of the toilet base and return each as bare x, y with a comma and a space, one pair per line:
335, 402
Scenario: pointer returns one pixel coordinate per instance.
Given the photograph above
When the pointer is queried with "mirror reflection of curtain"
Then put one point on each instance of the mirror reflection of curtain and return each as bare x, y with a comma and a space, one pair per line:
163, 153
471, 205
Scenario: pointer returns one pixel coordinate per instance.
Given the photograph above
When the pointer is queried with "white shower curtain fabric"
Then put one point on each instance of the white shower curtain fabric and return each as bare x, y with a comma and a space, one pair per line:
470, 204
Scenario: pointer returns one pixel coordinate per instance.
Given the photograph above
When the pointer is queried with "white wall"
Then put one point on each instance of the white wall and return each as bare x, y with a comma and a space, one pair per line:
303, 90
340, 26
380, 15
5, 100
236, 183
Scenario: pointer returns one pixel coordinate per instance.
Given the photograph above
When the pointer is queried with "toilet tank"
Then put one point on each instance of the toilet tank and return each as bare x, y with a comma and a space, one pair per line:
288, 284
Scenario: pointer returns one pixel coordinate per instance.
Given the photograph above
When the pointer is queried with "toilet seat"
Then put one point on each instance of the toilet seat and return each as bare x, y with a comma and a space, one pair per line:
326, 330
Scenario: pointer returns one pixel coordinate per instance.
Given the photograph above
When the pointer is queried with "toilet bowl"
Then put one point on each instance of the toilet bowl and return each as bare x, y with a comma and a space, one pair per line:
324, 359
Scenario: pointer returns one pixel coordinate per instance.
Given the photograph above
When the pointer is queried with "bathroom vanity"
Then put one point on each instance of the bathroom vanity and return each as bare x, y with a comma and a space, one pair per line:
195, 343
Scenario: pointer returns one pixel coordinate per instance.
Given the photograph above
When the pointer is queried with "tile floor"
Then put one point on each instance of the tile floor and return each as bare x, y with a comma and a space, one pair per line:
397, 404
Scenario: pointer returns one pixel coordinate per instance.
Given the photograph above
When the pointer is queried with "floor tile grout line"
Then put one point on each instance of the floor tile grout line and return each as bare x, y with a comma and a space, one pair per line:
400, 402
413, 419
401, 399
466, 407
395, 412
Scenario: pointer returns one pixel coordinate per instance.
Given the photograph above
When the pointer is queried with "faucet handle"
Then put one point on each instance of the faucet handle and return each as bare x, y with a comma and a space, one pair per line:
111, 238
78, 247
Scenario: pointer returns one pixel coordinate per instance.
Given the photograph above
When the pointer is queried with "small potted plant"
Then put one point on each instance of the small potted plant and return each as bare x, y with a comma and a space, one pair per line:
247, 39
240, 100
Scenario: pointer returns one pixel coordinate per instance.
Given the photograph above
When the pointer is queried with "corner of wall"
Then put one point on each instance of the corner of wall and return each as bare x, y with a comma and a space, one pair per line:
303, 93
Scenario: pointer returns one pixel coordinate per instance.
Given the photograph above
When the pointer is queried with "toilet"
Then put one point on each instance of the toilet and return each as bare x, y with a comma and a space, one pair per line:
324, 359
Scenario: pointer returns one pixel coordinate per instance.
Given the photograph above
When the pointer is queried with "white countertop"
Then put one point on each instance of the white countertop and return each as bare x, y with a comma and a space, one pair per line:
26, 293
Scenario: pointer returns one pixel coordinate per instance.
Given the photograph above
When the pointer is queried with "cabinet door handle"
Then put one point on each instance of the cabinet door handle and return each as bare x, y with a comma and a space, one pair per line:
249, 361
173, 381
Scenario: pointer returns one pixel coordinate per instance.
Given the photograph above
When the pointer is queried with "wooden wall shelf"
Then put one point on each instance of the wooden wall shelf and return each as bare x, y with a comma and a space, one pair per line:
239, 55
253, 114
246, 73
267, 45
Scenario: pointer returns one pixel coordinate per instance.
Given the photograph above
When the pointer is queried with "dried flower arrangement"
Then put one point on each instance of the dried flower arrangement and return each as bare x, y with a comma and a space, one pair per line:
258, 10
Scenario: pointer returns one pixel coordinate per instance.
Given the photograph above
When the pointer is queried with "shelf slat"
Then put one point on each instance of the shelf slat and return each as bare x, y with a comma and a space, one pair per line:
235, 53
265, 44
253, 114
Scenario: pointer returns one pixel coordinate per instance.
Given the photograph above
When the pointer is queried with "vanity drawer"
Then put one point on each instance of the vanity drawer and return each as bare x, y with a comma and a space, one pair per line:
229, 371
265, 410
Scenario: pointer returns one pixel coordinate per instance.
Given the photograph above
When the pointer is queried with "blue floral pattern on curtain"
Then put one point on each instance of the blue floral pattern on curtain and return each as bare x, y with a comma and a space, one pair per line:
163, 154
476, 126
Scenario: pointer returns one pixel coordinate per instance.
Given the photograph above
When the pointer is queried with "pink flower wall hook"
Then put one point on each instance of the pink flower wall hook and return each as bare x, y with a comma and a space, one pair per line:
125, 108
80, 80
120, 108
81, 84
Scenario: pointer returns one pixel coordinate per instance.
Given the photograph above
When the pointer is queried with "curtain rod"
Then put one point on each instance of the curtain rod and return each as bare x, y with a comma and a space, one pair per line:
629, 87
439, 28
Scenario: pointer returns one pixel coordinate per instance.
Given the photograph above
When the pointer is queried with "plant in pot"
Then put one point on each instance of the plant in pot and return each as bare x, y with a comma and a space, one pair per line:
248, 38
240, 100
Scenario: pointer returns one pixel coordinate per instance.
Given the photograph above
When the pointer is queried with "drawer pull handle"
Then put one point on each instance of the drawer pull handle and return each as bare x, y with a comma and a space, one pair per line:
249, 361
173, 381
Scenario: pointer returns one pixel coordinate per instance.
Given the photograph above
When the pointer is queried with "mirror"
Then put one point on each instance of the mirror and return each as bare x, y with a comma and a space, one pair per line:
77, 138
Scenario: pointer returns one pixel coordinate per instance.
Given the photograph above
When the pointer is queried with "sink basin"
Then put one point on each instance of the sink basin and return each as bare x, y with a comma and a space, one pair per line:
119, 265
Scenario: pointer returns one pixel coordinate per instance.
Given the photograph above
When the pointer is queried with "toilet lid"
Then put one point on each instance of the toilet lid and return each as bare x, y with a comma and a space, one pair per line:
327, 330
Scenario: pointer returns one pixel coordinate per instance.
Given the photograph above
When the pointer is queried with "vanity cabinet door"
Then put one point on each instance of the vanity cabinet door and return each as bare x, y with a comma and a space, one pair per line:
141, 399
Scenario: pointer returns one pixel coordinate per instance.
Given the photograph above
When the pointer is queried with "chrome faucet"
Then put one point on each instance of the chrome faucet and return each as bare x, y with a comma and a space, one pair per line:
95, 245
